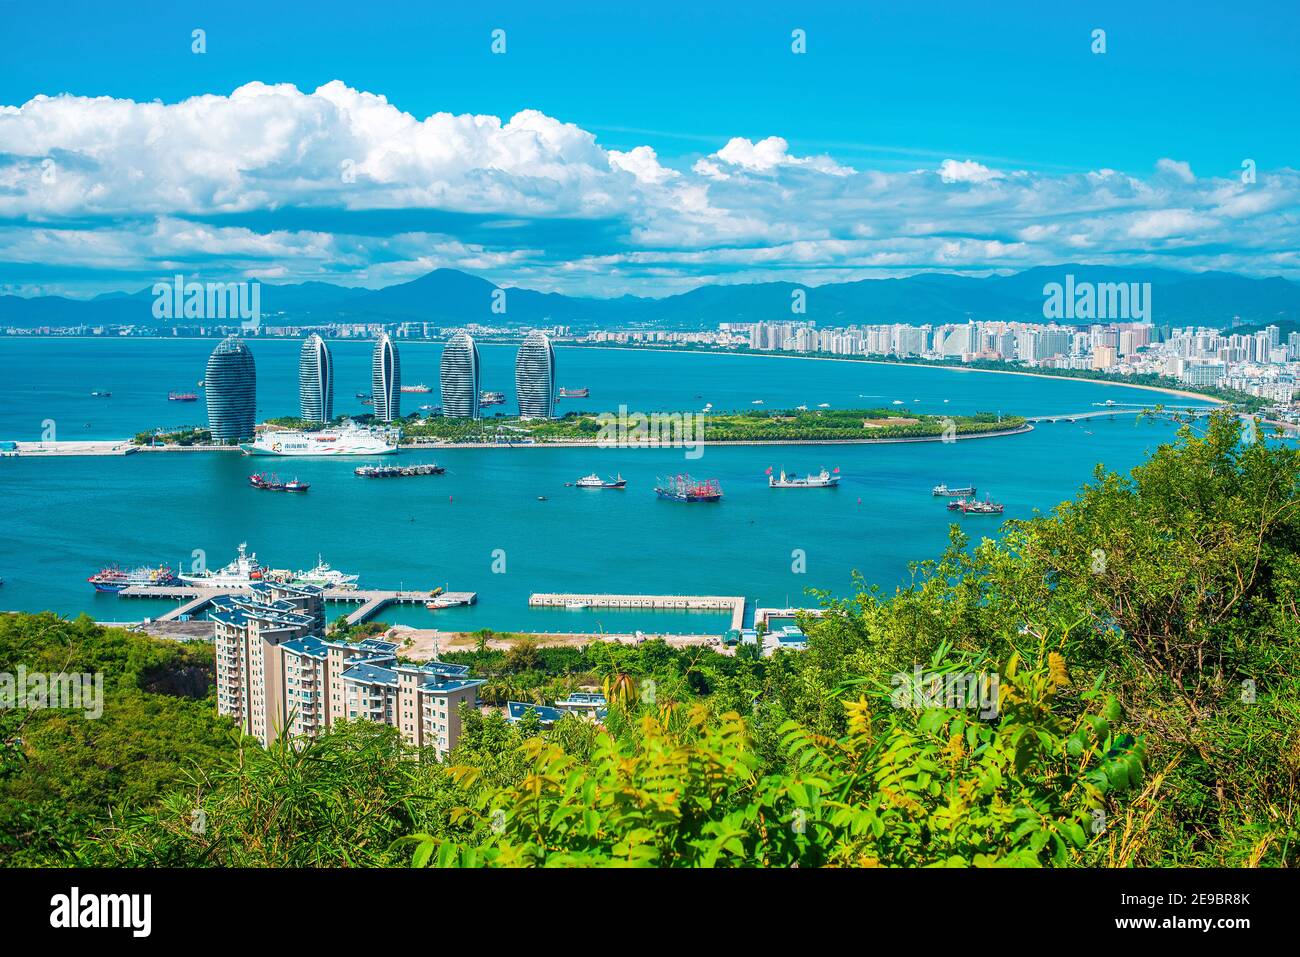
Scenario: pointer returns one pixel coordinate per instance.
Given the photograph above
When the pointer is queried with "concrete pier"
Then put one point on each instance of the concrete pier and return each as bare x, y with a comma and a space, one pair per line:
734, 604
371, 600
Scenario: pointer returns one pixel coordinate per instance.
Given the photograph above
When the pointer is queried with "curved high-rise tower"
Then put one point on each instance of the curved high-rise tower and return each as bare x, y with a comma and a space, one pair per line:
231, 385
386, 380
460, 377
535, 377
316, 380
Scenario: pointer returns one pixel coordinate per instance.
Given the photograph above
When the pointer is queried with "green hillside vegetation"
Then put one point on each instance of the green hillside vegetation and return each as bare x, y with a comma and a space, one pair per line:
1143, 637
758, 425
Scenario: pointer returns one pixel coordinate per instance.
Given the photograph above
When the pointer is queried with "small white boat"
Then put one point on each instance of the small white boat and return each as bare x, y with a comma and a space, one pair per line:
898, 402
823, 405
757, 402
576, 605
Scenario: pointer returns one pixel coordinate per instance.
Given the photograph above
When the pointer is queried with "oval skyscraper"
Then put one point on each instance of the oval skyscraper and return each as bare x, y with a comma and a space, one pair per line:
316, 380
535, 377
386, 380
460, 377
231, 385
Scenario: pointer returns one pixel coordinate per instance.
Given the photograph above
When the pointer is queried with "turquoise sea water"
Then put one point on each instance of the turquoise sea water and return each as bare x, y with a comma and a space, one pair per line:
66, 517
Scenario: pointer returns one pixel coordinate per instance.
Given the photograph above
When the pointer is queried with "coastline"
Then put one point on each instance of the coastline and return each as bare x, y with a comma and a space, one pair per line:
1181, 393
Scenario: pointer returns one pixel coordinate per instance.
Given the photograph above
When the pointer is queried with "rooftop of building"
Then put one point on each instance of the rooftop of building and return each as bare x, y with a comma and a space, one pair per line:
515, 711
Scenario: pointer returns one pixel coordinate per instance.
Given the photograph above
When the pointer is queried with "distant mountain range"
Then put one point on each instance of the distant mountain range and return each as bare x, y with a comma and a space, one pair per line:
448, 297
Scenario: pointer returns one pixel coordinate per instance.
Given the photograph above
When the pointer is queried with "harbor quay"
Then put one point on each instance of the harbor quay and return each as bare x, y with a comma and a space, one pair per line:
732, 603
371, 600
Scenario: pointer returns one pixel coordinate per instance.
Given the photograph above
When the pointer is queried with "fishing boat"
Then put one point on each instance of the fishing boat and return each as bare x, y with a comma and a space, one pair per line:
595, 481
272, 483
943, 491
974, 507
822, 479
683, 488
113, 579
398, 471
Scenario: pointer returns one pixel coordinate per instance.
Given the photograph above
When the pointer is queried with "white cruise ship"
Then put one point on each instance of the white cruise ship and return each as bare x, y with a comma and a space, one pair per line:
349, 440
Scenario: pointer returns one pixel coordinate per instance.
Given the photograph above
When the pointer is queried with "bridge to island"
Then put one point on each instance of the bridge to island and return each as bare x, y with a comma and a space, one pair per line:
1113, 409
371, 600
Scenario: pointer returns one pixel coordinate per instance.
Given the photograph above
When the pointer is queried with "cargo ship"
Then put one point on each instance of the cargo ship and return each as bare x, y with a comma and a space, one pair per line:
822, 479
272, 483
112, 579
491, 398
349, 440
398, 471
943, 491
683, 488
418, 387
574, 393
595, 481
182, 397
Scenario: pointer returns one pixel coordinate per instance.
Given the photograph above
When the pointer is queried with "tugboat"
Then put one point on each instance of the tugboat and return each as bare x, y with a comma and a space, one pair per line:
272, 483
822, 479
683, 488
943, 491
595, 481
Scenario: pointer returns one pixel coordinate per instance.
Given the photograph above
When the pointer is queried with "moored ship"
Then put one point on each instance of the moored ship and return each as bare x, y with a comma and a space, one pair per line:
683, 488
822, 479
398, 471
943, 491
272, 483
245, 570
324, 576
975, 507
595, 481
113, 579
349, 440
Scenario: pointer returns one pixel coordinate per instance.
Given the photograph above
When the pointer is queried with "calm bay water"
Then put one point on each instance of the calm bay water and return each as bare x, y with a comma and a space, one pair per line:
68, 516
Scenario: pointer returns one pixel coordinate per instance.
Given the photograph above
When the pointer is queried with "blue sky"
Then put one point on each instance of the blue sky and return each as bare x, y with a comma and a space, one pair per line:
837, 170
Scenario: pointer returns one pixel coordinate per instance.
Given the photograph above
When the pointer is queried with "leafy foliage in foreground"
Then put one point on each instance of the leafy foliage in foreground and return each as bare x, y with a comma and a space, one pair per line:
938, 786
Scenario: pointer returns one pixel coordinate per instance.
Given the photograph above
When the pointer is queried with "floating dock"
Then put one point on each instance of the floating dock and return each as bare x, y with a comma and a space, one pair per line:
371, 600
734, 604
